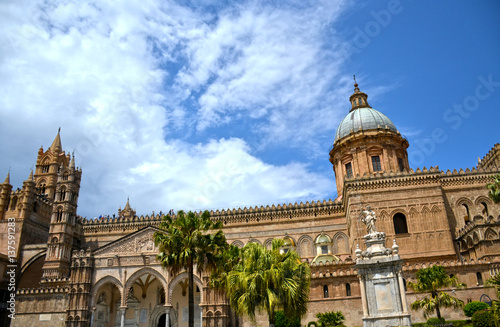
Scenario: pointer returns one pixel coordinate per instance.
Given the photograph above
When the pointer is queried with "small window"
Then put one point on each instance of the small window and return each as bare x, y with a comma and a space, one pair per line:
376, 163
348, 289
467, 213
485, 209
45, 168
479, 278
348, 169
324, 249
400, 226
401, 165
326, 295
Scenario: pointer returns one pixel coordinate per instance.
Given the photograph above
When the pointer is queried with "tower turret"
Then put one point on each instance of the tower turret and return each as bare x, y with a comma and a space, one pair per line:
5, 190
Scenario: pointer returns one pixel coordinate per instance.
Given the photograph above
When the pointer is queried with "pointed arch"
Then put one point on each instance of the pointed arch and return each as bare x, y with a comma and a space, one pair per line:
103, 281
490, 234
475, 237
483, 198
340, 243
413, 219
238, 243
146, 270
384, 218
425, 222
179, 278
268, 243
254, 240
305, 246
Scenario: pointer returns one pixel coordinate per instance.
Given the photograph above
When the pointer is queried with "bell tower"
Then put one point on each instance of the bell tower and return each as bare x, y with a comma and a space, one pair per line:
63, 233
366, 143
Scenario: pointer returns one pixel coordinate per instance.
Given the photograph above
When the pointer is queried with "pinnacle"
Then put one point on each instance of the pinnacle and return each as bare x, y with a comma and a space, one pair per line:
56, 145
7, 179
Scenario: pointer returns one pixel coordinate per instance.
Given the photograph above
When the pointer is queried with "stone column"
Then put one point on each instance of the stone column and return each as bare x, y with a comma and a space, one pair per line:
403, 293
122, 321
92, 317
363, 295
167, 316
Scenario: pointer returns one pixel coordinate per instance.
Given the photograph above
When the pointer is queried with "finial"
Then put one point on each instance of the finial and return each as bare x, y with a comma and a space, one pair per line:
354, 79
59, 130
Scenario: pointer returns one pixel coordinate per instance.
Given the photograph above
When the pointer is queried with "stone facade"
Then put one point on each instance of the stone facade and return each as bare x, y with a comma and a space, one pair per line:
73, 271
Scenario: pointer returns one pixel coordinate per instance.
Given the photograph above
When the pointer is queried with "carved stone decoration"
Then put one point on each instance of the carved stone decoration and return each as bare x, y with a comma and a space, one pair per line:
368, 217
381, 281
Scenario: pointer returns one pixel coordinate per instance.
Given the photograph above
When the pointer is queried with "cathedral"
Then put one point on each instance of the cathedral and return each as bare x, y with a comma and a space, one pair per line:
59, 269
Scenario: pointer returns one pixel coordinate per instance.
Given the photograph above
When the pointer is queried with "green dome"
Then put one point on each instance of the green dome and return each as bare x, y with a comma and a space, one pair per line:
363, 119
323, 239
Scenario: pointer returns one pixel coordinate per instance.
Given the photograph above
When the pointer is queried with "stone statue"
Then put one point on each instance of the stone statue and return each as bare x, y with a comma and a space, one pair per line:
368, 217
102, 298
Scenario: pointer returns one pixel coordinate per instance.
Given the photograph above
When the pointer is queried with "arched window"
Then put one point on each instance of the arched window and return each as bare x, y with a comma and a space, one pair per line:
62, 195
59, 214
479, 278
467, 213
348, 169
348, 289
326, 295
376, 163
485, 209
400, 226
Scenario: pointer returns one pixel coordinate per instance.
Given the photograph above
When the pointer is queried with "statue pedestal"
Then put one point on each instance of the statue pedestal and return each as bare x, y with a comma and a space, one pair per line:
381, 283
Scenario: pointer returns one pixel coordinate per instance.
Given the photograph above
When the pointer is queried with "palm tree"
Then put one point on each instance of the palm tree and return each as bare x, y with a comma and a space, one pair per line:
494, 188
495, 304
270, 280
431, 280
188, 240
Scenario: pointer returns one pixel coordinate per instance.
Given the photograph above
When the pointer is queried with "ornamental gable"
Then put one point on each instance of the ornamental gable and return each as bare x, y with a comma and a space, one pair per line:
139, 242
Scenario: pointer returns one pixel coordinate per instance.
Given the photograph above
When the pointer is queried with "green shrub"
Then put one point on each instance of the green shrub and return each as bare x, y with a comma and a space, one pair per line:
330, 319
283, 321
312, 323
435, 321
483, 318
474, 306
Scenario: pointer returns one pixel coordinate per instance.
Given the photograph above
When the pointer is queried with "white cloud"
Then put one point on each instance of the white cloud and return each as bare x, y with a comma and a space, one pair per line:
98, 70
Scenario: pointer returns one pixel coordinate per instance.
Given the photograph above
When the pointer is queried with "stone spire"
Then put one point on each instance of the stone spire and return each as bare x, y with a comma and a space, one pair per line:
127, 206
7, 179
30, 178
56, 146
358, 99
72, 163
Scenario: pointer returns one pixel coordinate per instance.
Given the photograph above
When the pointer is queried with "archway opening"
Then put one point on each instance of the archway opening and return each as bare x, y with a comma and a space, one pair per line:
107, 304
180, 304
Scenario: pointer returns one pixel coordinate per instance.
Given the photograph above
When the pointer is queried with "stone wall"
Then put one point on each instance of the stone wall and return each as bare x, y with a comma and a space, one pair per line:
45, 308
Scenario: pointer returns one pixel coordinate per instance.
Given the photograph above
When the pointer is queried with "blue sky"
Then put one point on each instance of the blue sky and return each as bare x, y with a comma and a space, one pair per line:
204, 105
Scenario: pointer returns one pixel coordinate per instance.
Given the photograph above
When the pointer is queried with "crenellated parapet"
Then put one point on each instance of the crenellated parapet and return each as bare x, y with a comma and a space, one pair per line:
48, 290
256, 214
278, 213
420, 177
491, 159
